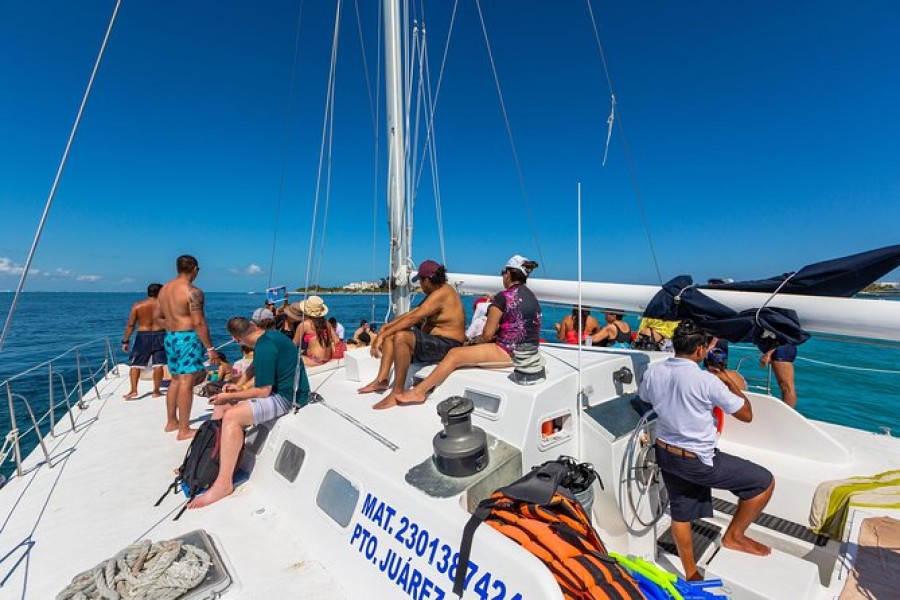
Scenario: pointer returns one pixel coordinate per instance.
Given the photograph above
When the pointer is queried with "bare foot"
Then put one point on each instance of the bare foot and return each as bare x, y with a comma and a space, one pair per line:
130, 395
376, 386
213, 494
389, 401
411, 397
186, 435
170, 426
746, 544
158, 394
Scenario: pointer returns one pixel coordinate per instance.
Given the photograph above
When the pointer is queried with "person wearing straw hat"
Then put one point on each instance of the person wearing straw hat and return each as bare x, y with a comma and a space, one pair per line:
407, 339
315, 335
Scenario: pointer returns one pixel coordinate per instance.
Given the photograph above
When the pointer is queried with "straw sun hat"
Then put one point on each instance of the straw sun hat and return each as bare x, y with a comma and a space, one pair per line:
313, 306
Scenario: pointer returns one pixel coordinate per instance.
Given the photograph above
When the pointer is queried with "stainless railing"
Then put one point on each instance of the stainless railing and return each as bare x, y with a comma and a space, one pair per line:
56, 382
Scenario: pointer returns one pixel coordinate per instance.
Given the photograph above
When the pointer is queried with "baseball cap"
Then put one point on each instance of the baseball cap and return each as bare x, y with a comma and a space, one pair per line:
427, 268
717, 355
518, 262
261, 314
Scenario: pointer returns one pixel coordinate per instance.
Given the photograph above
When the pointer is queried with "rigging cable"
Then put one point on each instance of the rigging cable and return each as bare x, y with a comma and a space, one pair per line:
628, 159
62, 165
328, 104
431, 140
362, 47
284, 153
510, 135
437, 90
377, 127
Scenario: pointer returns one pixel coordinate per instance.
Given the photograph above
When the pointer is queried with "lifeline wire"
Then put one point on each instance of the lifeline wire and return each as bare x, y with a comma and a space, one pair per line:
59, 172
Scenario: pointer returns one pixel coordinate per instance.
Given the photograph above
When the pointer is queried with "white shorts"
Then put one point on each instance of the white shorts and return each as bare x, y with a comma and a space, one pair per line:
266, 409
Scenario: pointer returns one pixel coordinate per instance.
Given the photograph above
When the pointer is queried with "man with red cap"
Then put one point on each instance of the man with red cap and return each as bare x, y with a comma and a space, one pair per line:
423, 335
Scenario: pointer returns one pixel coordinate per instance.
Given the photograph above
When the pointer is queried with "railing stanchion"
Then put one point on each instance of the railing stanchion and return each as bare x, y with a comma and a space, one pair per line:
52, 407
14, 432
769, 380
66, 397
37, 430
107, 360
90, 371
81, 403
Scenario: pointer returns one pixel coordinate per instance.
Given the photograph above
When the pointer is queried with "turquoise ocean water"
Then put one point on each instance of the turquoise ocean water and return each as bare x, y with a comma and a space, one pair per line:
48, 324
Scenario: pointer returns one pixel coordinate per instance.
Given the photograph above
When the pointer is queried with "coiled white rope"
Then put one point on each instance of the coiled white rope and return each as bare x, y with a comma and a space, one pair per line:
143, 571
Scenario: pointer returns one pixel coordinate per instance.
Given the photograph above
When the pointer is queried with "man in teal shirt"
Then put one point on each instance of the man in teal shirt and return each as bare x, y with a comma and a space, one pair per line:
276, 385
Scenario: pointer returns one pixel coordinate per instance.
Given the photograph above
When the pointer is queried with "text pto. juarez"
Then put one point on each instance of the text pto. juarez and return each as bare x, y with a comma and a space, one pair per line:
418, 546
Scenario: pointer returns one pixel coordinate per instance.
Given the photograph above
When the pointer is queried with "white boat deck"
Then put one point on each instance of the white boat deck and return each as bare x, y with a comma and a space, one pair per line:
98, 498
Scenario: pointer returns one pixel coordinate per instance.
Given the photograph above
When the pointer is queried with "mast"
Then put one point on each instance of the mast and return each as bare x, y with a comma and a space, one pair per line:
393, 74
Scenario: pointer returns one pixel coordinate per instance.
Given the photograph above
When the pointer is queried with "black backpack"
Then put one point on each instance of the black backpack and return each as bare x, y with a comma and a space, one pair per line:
200, 467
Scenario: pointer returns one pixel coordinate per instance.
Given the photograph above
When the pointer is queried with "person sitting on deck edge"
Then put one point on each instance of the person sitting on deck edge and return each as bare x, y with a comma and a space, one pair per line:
407, 338
512, 332
274, 365
683, 397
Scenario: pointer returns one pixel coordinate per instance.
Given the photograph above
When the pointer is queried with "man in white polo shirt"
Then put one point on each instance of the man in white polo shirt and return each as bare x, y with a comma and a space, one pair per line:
683, 397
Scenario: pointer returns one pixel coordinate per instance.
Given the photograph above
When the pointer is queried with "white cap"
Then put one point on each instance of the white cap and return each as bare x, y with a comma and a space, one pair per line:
518, 262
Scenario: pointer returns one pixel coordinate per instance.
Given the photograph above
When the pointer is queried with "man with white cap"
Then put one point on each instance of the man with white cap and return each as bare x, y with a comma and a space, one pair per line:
407, 339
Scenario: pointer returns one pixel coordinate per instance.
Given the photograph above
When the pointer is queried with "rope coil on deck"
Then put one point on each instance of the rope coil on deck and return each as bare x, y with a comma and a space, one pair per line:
143, 571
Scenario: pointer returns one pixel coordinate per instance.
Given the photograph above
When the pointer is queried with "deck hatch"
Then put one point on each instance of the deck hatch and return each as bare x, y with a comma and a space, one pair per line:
290, 459
337, 497
487, 405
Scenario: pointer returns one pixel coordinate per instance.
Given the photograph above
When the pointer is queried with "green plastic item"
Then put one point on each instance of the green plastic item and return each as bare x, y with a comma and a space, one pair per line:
651, 571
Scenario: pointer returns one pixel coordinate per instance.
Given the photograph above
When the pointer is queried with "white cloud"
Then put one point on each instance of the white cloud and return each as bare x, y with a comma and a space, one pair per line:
126, 280
8, 267
250, 270
88, 278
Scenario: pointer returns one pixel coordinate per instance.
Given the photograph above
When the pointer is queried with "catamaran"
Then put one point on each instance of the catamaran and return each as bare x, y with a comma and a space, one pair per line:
342, 501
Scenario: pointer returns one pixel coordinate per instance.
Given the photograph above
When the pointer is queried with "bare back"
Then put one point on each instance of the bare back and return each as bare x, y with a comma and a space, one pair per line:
446, 316
175, 304
143, 313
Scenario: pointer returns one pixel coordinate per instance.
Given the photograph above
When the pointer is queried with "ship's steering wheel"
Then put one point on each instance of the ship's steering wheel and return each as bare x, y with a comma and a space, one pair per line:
642, 494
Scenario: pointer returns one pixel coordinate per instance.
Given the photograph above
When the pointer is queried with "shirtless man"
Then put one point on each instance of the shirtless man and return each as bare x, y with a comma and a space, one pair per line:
401, 341
148, 343
187, 335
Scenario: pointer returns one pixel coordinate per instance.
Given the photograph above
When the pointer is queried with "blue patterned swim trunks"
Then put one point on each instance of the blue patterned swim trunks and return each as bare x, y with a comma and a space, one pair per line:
184, 352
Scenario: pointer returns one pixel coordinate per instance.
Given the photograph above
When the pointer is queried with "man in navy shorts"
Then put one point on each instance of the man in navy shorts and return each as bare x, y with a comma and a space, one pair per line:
781, 358
683, 396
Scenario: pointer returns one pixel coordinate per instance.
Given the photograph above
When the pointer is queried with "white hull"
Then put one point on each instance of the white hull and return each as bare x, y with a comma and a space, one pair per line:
277, 540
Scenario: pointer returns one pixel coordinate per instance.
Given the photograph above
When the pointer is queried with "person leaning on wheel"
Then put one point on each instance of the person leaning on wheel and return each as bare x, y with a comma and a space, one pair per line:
683, 396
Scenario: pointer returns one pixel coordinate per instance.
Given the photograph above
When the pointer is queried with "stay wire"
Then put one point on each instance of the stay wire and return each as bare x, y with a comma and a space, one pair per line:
437, 90
628, 158
377, 160
362, 47
284, 154
512, 142
62, 165
325, 121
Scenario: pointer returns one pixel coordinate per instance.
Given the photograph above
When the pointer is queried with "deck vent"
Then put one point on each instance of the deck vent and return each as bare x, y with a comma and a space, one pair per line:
460, 450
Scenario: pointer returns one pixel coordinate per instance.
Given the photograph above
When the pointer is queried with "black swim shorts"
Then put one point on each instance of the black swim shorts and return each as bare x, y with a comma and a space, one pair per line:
785, 353
689, 481
431, 348
148, 349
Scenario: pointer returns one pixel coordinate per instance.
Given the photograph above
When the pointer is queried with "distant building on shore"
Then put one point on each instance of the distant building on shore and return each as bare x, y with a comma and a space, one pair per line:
362, 286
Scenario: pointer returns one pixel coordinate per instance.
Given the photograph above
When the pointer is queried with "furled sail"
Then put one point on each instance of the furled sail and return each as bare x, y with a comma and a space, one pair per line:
841, 277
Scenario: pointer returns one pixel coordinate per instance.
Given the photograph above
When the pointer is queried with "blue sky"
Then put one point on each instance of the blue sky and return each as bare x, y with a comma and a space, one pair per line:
764, 136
